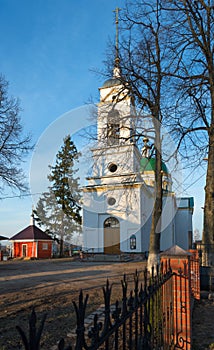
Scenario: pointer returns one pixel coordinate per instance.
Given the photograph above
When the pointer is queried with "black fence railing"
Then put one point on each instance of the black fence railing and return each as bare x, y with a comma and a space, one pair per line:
142, 318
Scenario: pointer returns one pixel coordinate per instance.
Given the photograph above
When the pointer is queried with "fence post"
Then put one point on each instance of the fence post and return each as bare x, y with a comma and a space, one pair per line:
195, 273
181, 330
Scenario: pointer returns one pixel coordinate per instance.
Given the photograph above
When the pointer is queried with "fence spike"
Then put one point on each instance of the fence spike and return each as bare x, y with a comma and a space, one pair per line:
80, 317
124, 298
61, 345
107, 299
117, 312
131, 301
34, 336
95, 331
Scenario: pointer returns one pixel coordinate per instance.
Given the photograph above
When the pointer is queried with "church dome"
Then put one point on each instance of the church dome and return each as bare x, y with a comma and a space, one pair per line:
111, 82
147, 164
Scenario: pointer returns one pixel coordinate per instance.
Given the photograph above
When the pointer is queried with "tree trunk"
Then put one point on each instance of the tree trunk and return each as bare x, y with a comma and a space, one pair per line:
61, 247
62, 232
208, 233
155, 233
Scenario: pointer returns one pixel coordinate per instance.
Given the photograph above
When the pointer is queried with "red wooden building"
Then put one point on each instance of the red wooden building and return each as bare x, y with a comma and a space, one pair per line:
32, 242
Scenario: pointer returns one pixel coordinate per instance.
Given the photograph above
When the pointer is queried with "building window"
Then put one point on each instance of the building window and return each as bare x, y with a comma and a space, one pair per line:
44, 246
113, 127
111, 200
113, 134
133, 242
111, 222
112, 167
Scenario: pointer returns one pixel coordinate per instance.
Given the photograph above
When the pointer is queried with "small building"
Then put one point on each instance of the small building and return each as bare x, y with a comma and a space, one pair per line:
32, 242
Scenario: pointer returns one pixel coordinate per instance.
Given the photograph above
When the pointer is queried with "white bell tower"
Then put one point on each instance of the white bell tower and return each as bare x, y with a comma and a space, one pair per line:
113, 198
119, 196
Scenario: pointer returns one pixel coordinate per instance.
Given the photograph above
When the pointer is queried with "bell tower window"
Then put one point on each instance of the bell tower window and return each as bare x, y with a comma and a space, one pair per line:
113, 128
113, 134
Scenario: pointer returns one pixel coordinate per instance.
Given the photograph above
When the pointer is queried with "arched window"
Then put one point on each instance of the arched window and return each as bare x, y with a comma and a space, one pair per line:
113, 128
111, 222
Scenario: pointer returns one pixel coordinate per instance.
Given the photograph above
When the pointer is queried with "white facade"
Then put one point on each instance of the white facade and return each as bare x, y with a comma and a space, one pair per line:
118, 199
183, 221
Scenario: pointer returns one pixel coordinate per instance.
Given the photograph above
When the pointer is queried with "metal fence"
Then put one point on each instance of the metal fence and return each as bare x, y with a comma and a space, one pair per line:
152, 314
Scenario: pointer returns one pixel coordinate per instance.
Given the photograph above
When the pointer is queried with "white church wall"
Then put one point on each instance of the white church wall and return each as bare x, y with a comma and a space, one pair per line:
145, 234
127, 232
129, 229
130, 219
91, 234
147, 202
123, 112
167, 237
125, 209
92, 242
183, 227
167, 222
184, 222
94, 201
126, 157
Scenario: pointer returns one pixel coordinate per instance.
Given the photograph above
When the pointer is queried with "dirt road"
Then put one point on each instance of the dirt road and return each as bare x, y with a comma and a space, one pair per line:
50, 286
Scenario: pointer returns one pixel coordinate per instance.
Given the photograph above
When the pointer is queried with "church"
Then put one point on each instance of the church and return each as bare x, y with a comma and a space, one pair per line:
119, 196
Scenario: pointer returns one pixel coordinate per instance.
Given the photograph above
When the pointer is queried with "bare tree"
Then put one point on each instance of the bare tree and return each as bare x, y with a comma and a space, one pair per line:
168, 63
192, 40
145, 64
14, 146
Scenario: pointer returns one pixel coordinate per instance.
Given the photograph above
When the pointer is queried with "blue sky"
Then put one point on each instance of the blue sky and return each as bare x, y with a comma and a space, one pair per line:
49, 50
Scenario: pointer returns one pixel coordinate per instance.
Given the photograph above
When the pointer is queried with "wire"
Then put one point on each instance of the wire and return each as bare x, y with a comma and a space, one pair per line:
184, 189
20, 196
194, 182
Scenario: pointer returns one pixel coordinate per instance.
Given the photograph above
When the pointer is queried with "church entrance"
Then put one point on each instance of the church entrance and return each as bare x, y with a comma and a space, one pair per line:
111, 236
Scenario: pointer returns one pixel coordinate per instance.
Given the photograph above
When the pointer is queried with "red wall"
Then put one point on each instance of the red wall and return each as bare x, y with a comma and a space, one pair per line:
31, 249
44, 253
186, 283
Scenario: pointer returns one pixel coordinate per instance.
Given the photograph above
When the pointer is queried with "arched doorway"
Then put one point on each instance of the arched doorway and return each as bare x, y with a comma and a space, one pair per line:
111, 236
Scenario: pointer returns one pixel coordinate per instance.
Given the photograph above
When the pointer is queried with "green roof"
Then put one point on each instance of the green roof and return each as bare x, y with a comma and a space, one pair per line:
147, 164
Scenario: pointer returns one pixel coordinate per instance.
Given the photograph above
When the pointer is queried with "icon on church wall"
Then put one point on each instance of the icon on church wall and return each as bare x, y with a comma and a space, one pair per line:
133, 242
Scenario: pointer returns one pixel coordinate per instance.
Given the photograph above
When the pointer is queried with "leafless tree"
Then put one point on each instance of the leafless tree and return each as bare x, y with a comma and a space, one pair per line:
14, 145
145, 65
192, 41
168, 61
